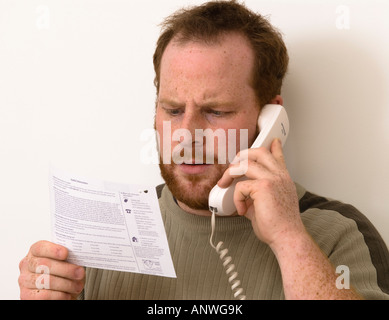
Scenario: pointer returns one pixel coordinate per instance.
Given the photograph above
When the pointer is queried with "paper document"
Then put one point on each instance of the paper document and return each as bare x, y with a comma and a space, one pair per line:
108, 225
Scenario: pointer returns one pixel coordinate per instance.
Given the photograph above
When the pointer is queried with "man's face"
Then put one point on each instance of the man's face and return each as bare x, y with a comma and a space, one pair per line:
204, 86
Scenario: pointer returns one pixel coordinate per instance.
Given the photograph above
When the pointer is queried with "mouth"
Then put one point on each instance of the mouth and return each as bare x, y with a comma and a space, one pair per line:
193, 168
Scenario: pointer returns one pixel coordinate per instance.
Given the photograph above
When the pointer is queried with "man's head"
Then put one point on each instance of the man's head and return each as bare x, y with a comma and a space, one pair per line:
206, 23
216, 65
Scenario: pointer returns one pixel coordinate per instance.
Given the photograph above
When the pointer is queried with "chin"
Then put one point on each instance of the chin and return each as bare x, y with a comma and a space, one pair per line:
192, 190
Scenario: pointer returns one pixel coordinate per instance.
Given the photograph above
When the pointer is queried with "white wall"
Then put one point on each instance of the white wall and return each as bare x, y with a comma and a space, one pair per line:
76, 90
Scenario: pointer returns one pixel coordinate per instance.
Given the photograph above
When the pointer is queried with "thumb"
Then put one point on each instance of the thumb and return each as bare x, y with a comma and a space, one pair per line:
277, 152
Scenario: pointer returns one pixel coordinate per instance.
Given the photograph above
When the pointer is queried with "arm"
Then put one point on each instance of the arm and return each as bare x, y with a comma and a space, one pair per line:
306, 271
269, 199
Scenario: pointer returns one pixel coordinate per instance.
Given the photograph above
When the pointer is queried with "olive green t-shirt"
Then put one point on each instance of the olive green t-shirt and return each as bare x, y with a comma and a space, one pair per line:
342, 233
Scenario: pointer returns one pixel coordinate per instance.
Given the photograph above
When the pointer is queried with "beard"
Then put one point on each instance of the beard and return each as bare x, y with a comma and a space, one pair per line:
192, 190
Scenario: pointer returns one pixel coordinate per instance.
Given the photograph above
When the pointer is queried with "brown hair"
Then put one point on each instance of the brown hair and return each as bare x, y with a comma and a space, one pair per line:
208, 21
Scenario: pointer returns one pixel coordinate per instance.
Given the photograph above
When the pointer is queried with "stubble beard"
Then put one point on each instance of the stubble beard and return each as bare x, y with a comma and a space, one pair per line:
192, 190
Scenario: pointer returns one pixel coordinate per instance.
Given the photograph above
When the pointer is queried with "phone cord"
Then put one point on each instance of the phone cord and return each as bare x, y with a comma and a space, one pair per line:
228, 266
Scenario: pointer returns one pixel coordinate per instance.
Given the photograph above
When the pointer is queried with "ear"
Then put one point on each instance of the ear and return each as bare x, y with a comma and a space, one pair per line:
277, 100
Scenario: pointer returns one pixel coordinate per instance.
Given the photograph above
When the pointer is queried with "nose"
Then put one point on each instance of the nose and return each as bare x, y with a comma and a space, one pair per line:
193, 124
193, 120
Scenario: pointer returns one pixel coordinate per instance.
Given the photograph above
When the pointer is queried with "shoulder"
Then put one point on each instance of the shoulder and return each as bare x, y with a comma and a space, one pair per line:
341, 224
159, 190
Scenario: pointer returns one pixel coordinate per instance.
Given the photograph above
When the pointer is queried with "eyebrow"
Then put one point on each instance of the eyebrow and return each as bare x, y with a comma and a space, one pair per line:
210, 104
171, 103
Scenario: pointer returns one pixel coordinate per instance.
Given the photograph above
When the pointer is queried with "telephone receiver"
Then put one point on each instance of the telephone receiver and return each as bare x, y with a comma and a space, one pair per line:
273, 123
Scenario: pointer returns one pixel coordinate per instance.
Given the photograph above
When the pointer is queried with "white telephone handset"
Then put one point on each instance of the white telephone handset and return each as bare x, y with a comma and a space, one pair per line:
273, 123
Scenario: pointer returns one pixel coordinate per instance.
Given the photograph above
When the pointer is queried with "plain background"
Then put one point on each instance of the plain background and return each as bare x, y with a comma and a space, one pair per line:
76, 91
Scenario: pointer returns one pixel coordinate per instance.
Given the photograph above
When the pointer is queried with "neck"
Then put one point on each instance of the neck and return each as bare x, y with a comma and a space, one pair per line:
203, 213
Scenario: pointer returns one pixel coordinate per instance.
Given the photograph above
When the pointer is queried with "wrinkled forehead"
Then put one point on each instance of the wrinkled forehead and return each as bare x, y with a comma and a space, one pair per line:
227, 63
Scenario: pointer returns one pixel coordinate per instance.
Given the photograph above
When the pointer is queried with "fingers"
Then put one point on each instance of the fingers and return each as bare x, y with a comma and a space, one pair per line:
277, 152
49, 250
54, 287
27, 294
58, 268
251, 163
242, 198
270, 159
37, 281
44, 273
52, 256
268, 194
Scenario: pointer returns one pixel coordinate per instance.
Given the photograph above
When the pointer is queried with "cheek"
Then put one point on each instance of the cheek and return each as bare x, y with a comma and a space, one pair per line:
165, 130
164, 142
252, 130
162, 135
241, 139
252, 135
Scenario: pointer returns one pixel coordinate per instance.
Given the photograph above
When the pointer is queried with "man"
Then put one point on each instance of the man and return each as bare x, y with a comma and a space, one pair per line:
216, 66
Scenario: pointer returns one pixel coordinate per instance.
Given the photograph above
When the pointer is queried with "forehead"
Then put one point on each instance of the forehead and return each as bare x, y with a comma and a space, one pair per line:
226, 64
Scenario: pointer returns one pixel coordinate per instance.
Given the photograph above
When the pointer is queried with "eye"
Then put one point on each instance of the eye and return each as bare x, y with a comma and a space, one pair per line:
218, 113
172, 111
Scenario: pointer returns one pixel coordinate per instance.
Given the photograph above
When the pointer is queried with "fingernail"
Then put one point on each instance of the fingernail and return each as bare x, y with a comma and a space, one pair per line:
61, 254
79, 273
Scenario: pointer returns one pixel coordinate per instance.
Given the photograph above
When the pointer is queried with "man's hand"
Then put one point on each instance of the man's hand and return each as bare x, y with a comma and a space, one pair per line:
268, 198
64, 281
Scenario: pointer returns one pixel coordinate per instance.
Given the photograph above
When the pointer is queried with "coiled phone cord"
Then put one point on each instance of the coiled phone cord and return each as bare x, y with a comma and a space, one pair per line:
228, 266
